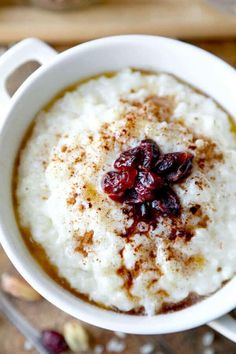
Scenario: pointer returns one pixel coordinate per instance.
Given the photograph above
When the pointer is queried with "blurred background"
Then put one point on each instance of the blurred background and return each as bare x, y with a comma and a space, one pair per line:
209, 24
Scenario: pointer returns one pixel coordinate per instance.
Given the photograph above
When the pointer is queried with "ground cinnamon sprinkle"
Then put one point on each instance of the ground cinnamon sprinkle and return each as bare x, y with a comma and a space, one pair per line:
203, 222
126, 276
63, 148
83, 242
72, 199
146, 253
153, 108
208, 155
162, 293
160, 108
81, 207
194, 209
80, 158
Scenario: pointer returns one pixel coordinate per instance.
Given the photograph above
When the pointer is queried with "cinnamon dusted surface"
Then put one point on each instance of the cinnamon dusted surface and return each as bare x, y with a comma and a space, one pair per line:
77, 139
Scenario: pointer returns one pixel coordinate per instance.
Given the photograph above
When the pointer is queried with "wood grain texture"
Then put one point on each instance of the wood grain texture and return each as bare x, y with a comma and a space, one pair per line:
44, 315
179, 18
225, 49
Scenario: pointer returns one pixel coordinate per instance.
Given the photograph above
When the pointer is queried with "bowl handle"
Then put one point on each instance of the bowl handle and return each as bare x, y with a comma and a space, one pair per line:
225, 325
21, 53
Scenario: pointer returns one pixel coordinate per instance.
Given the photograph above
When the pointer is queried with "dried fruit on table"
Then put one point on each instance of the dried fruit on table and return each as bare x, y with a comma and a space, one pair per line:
76, 336
54, 341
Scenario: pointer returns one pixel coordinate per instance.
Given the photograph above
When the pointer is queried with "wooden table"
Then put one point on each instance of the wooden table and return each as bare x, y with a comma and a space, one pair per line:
44, 315
174, 18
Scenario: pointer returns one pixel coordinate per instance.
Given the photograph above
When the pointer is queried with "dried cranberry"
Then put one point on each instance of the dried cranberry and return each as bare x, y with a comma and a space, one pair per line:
167, 202
132, 197
150, 154
184, 163
149, 180
147, 183
144, 194
54, 342
119, 197
174, 166
128, 159
166, 163
117, 182
143, 180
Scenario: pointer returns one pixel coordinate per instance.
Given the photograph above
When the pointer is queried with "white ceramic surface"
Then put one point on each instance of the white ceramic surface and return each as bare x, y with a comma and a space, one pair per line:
189, 63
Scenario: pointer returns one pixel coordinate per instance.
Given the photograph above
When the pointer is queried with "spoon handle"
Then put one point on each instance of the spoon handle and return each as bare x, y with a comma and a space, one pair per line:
17, 319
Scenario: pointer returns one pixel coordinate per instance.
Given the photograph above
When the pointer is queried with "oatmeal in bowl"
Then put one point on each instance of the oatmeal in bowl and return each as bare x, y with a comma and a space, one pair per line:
125, 192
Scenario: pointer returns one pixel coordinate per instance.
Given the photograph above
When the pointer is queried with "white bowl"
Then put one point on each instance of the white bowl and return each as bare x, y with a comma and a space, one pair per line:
189, 63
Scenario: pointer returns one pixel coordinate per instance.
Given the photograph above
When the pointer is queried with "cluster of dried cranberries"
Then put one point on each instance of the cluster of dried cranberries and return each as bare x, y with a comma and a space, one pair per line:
143, 179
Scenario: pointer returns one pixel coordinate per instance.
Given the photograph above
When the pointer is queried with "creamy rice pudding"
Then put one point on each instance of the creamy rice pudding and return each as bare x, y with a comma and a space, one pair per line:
127, 183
